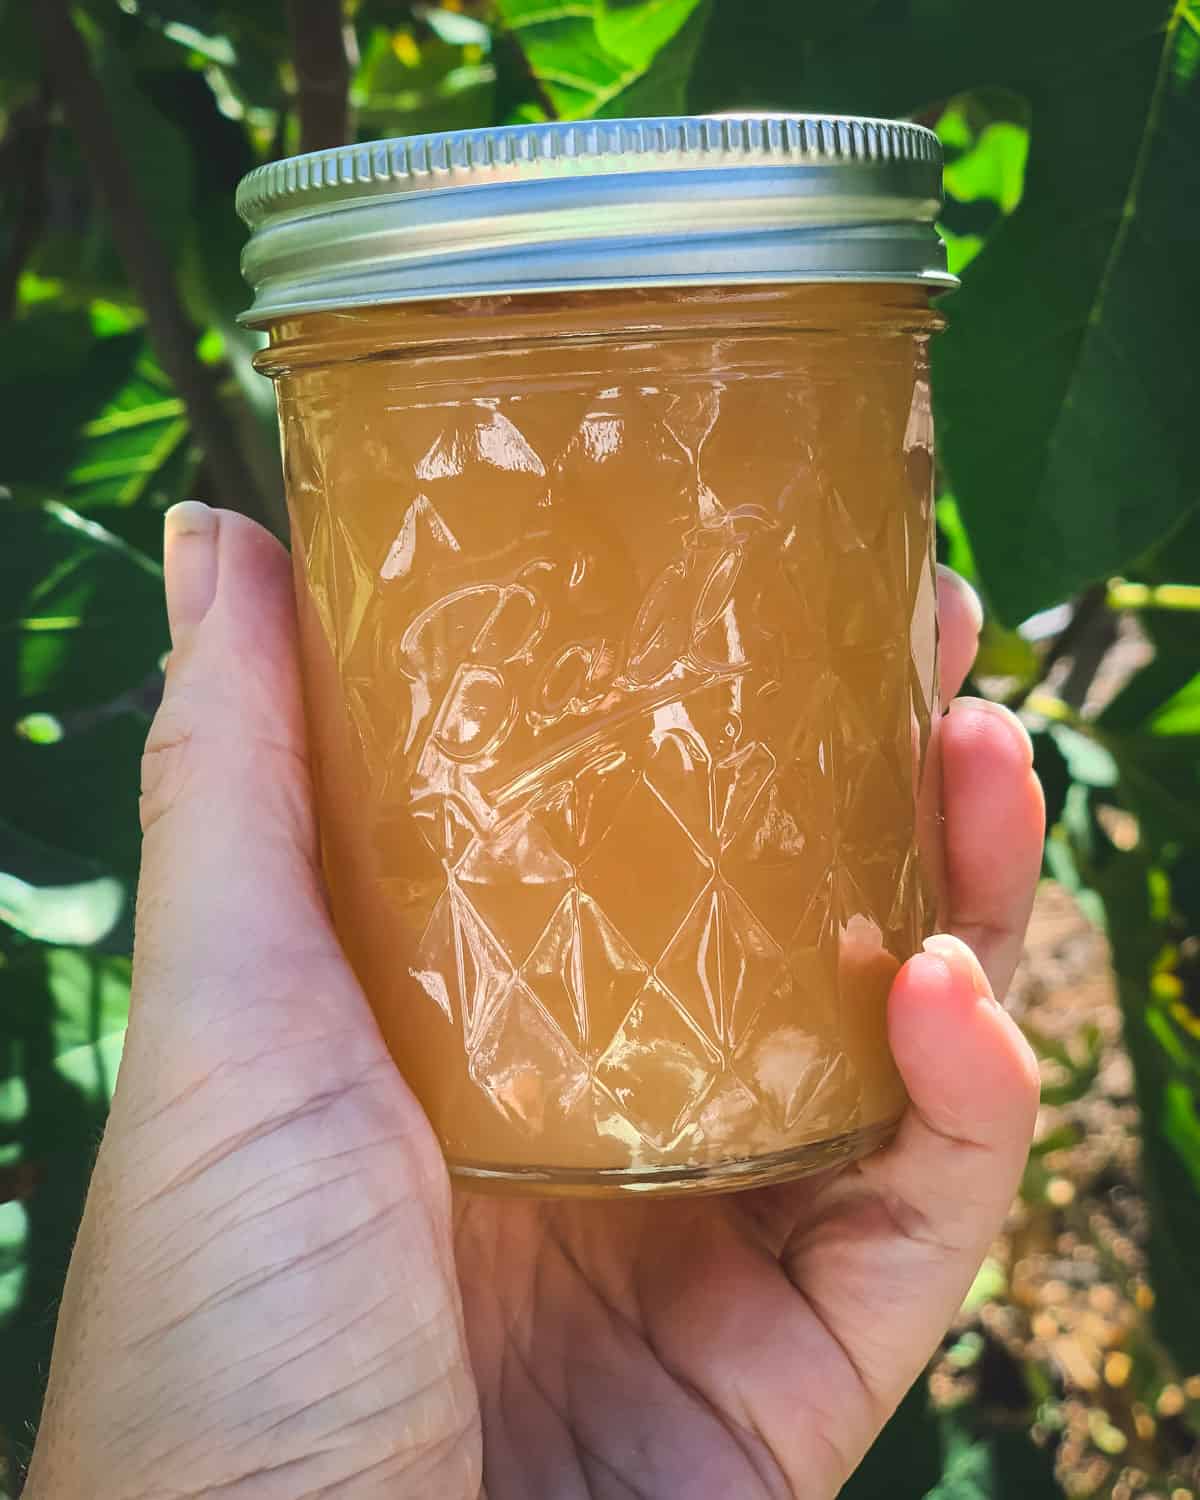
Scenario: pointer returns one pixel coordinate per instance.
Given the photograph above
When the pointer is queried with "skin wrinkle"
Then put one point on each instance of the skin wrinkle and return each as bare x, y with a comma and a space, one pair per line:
228, 1488
324, 1445
510, 1355
230, 1072
643, 1331
643, 1343
589, 1458
303, 960
640, 1333
244, 1140
312, 1108
230, 1221
588, 1451
792, 1256
908, 1219
235, 1221
166, 773
903, 1217
410, 1398
984, 938
450, 1445
234, 1291
287, 1410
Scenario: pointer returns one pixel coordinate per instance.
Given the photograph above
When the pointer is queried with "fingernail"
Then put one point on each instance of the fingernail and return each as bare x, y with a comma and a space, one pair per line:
1004, 715
961, 962
972, 601
189, 566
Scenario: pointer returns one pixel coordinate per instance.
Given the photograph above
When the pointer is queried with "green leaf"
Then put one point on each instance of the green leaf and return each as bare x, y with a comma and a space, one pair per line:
1005, 653
637, 30
999, 1465
84, 914
76, 602
1063, 383
437, 90
156, 154
1160, 784
583, 74
19, 60
664, 88
39, 729
55, 376
1079, 1074
953, 539
758, 56
990, 1284
57, 897
210, 277
82, 630
961, 249
1174, 635
1053, 773
1177, 649
1180, 714
88, 419
1167, 1099
460, 30
576, 74
1087, 759
61, 1031
135, 448
905, 1459
1181, 1127
993, 167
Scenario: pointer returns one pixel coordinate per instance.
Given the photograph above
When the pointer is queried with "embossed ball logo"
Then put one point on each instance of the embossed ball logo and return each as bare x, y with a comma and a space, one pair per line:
486, 655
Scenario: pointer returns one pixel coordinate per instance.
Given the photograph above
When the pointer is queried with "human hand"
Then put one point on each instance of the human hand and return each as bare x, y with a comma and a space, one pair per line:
264, 1299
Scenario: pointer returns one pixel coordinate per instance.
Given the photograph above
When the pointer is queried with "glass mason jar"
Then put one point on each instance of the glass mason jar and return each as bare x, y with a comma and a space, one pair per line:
608, 453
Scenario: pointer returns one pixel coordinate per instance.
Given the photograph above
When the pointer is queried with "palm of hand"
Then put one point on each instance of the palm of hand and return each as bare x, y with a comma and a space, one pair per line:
265, 1297
663, 1349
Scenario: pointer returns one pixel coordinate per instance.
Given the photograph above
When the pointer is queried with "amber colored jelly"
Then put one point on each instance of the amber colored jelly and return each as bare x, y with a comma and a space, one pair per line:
618, 626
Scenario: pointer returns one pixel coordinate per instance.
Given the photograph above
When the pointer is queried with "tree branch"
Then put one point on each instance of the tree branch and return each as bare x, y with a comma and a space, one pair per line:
23, 154
1083, 624
318, 38
144, 258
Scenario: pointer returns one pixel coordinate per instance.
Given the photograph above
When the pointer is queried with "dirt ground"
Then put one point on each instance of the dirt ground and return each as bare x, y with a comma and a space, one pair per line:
1058, 1323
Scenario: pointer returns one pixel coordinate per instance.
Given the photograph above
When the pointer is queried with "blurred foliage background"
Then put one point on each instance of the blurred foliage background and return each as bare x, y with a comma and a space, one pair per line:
1067, 402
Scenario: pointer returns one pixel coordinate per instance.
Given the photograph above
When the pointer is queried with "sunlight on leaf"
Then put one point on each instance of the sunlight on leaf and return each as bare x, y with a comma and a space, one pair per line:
589, 57
993, 167
78, 914
454, 27
637, 30
14, 1224
40, 729
1180, 714
990, 1282
958, 544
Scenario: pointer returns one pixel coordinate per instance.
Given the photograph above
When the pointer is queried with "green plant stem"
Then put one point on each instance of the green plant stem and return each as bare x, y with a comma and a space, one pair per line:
318, 41
1173, 596
142, 254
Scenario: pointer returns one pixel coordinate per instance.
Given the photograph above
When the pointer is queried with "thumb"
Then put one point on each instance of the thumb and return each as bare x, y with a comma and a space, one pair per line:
230, 902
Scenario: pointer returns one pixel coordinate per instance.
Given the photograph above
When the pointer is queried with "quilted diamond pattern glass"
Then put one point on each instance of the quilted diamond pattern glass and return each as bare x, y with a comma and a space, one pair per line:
617, 613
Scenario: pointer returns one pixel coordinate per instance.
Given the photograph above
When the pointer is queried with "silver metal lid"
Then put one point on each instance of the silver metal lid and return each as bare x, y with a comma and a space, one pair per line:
703, 200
